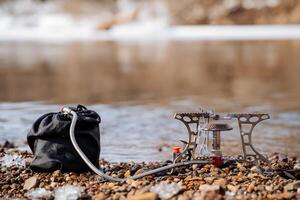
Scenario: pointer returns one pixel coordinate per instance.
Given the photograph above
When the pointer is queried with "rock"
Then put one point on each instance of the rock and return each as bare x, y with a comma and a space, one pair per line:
129, 181
112, 184
297, 166
127, 174
56, 173
241, 167
53, 184
292, 186
194, 167
134, 184
251, 187
209, 192
140, 171
165, 190
209, 188
134, 168
222, 182
269, 188
31, 183
286, 195
254, 169
209, 180
144, 196
260, 188
176, 180
232, 188
99, 196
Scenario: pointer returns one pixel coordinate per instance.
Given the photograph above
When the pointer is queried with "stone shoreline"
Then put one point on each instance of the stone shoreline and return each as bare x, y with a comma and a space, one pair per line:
234, 181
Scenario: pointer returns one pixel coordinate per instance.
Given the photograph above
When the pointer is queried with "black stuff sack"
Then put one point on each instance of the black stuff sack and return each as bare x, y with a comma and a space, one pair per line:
52, 148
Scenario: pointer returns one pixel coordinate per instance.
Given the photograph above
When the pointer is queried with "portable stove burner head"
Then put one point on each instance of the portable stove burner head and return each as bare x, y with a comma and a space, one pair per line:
216, 128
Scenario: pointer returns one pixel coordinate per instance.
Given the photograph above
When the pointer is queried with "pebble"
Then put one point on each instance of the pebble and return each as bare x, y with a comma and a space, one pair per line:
254, 169
269, 188
99, 196
251, 187
209, 182
194, 167
209, 188
286, 195
166, 190
134, 184
30, 183
112, 184
222, 182
297, 166
140, 171
127, 174
232, 188
241, 167
144, 196
292, 186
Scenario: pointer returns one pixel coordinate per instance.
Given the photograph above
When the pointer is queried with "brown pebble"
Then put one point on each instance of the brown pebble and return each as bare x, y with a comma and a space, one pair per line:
232, 188
209, 188
209, 180
127, 174
251, 187
30, 183
194, 167
144, 196
111, 184
140, 171
4, 187
99, 196
222, 182
269, 188
254, 169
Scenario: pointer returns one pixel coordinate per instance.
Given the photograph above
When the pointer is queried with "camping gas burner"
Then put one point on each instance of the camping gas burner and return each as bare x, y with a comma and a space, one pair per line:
201, 124
216, 128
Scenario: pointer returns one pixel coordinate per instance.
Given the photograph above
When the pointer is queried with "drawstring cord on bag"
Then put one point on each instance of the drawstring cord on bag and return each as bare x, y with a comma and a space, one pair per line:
110, 178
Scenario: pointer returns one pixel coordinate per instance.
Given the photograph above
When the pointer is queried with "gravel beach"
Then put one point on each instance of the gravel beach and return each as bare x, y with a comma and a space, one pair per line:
234, 181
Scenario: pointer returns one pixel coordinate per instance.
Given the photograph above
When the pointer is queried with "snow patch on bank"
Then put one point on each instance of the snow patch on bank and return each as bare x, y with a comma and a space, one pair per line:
154, 31
28, 20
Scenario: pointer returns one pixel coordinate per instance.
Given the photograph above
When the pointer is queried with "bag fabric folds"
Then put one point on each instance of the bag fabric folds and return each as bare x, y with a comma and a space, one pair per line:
51, 146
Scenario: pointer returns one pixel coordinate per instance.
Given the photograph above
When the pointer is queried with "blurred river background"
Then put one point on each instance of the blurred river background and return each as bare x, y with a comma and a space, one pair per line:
137, 62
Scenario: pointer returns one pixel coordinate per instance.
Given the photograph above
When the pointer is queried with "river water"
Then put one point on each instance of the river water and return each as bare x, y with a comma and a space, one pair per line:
137, 87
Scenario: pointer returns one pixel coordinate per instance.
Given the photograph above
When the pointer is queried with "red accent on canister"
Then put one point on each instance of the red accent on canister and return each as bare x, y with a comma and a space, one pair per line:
176, 149
218, 161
